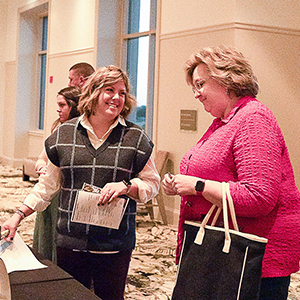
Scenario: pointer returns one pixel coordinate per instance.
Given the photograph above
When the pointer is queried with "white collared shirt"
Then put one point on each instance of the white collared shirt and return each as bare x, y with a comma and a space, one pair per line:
147, 181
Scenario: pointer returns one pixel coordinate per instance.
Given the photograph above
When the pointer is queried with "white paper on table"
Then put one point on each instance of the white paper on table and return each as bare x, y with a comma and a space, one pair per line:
17, 256
87, 211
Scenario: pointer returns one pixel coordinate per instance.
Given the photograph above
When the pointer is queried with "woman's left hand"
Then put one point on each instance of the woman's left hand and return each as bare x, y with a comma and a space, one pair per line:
112, 190
184, 184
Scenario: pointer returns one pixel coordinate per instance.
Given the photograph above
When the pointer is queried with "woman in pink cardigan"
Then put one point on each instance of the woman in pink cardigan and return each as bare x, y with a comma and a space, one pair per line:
245, 147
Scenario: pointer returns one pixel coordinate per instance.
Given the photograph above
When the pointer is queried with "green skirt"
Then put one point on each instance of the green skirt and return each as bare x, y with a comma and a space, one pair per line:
45, 230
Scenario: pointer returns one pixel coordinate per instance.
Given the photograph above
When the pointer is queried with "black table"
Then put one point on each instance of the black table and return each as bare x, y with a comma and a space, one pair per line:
47, 283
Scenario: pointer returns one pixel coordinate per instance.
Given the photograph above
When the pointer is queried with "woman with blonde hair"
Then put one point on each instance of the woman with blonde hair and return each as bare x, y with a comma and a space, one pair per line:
244, 146
100, 148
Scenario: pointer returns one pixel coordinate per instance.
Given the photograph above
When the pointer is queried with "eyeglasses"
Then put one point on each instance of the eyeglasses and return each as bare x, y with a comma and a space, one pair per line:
199, 85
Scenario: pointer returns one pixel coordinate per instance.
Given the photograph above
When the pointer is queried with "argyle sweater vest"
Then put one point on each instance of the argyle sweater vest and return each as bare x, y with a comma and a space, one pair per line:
121, 157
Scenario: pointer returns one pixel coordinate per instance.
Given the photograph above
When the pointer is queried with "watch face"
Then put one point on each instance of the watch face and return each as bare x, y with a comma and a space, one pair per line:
199, 186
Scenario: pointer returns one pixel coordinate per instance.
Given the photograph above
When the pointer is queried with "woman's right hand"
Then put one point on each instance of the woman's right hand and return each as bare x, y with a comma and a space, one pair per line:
41, 169
168, 185
11, 225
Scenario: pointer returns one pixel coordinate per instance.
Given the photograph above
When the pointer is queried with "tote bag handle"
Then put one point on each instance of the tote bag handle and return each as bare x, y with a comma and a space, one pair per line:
226, 198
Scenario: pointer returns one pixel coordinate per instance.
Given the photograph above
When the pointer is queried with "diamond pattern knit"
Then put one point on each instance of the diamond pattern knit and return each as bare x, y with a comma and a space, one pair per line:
248, 150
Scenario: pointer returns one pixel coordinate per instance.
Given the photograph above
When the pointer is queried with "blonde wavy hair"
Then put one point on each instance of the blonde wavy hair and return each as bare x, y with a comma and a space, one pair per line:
101, 78
226, 65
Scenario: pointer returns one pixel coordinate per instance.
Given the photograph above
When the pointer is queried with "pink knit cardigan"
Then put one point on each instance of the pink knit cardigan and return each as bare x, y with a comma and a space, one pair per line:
247, 149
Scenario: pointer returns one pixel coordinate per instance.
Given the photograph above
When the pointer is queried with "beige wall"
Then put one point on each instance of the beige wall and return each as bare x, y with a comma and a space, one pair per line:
181, 16
71, 38
72, 25
274, 13
266, 34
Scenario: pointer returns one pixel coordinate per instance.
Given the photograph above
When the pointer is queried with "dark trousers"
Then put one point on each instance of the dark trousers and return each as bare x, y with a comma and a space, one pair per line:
106, 273
274, 288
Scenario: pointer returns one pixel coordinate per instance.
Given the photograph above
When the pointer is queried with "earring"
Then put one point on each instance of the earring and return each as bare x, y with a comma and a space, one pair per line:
227, 93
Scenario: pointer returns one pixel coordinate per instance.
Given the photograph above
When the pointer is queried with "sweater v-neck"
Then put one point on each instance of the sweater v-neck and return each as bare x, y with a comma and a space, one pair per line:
110, 139
95, 141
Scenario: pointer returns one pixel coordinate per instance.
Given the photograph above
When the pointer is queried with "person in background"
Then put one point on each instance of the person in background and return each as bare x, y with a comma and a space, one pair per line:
67, 101
45, 222
244, 146
103, 149
79, 73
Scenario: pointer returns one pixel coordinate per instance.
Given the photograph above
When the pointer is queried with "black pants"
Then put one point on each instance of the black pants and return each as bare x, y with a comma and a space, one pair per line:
274, 288
105, 272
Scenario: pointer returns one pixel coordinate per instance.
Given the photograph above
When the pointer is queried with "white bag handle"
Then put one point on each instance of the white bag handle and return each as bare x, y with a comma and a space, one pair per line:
226, 197
231, 206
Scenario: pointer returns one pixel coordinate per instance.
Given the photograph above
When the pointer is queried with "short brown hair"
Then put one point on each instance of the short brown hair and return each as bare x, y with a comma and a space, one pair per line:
226, 65
102, 78
83, 69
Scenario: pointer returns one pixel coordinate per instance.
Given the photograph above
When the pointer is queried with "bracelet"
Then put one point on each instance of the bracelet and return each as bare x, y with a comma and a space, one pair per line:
128, 185
21, 213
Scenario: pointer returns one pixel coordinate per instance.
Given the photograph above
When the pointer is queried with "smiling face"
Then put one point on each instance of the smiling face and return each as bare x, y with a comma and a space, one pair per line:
63, 108
210, 93
111, 101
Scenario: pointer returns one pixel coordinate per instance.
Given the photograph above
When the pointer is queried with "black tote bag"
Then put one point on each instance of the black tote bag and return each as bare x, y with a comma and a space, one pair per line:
219, 263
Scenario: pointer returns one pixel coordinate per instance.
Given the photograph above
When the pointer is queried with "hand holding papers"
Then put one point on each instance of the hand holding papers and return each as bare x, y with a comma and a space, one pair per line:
86, 210
17, 256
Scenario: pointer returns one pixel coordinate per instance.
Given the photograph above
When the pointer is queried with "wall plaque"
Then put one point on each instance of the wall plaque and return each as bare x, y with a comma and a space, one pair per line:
188, 120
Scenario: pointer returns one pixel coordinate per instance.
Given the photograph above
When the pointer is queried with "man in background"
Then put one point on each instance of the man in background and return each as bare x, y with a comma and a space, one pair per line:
79, 73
